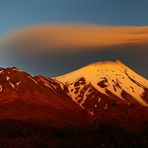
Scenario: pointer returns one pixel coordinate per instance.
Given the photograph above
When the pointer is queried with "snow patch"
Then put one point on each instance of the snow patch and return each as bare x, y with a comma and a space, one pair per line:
1, 71
12, 85
33, 79
7, 78
18, 83
1, 88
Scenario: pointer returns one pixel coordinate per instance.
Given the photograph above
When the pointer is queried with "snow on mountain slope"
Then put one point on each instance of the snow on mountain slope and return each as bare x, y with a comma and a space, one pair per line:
51, 83
104, 89
112, 80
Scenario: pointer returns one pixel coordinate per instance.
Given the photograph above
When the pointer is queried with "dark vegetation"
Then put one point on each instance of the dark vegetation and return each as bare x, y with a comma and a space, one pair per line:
19, 134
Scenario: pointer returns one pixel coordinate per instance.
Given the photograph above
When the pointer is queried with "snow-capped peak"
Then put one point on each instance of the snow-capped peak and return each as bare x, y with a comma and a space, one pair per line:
110, 76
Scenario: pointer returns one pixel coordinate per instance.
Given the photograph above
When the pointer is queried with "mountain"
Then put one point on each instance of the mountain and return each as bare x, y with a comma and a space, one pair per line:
108, 90
25, 97
99, 92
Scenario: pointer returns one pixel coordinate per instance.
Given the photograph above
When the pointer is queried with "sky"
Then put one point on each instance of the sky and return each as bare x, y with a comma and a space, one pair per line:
53, 37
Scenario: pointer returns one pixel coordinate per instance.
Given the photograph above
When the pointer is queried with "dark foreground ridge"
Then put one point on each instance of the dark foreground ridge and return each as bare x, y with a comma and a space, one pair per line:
20, 134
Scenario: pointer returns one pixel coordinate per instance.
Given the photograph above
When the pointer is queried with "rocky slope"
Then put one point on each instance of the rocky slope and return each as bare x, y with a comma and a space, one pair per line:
23, 96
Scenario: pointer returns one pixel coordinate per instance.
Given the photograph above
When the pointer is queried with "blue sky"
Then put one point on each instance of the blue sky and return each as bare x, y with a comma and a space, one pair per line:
17, 14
